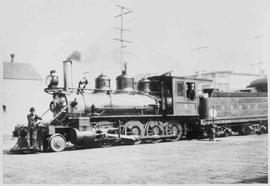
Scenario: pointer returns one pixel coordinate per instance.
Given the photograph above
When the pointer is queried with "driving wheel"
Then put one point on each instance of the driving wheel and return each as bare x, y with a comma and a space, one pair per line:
154, 128
174, 128
134, 128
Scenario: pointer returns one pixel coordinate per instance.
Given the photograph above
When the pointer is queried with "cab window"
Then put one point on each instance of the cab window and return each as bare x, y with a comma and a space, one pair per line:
180, 89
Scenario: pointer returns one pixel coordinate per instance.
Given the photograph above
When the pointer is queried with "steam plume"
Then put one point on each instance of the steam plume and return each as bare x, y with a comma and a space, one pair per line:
76, 55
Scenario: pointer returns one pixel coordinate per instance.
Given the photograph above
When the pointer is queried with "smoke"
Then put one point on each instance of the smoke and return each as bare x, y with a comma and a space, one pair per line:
90, 55
76, 55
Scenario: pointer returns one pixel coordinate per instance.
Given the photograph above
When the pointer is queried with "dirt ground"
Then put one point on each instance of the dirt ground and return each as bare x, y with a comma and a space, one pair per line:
237, 159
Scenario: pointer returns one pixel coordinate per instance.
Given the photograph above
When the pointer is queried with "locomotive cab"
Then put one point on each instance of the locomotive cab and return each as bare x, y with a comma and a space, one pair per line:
161, 87
178, 95
185, 96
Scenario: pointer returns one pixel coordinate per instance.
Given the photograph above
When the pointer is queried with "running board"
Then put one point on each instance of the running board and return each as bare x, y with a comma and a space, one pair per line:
137, 138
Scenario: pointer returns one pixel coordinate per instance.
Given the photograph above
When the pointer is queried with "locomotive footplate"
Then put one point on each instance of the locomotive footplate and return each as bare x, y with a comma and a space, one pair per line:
137, 138
157, 137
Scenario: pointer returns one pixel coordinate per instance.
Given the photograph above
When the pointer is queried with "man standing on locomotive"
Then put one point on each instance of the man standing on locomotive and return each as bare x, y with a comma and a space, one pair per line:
51, 80
32, 127
190, 91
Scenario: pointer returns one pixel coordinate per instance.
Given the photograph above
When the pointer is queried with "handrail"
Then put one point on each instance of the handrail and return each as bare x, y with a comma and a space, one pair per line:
91, 89
61, 111
44, 113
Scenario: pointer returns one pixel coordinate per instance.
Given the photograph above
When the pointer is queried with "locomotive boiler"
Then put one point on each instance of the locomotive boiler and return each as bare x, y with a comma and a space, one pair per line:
102, 101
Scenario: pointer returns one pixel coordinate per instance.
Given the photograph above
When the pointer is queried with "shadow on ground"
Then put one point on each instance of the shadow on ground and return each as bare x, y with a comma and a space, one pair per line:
262, 179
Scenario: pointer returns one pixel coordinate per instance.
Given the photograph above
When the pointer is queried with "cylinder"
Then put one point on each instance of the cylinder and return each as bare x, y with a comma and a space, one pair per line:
81, 137
103, 83
67, 65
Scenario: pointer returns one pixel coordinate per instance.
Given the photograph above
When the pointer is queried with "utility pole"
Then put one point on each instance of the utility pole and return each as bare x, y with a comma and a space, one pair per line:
198, 49
259, 64
123, 43
199, 73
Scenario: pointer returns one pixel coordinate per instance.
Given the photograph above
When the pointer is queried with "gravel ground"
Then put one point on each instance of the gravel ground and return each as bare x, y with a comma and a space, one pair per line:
237, 159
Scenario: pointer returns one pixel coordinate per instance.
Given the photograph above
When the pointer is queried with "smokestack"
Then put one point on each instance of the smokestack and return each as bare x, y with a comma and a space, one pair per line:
12, 58
67, 74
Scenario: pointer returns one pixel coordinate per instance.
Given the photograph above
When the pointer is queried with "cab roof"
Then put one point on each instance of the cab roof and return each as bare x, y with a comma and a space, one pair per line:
179, 78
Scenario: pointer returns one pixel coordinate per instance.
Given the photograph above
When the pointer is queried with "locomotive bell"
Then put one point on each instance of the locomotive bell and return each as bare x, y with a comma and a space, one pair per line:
144, 85
103, 83
124, 82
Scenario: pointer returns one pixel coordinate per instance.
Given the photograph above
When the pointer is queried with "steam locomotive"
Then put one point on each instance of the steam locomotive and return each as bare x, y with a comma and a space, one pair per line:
159, 108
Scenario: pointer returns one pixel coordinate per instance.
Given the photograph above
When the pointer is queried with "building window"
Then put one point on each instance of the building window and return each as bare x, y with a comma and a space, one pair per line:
4, 108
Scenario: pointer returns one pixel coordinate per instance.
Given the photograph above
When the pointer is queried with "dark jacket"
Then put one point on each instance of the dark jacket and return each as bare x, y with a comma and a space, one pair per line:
32, 119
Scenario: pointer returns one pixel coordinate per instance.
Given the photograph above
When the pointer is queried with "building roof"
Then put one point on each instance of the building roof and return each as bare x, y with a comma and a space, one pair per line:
20, 71
182, 78
228, 72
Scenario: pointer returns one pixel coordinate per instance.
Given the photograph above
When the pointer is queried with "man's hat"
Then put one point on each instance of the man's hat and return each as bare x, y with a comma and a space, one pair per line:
32, 109
52, 71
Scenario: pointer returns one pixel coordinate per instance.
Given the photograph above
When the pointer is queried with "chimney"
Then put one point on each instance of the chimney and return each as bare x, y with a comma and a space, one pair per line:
67, 74
12, 58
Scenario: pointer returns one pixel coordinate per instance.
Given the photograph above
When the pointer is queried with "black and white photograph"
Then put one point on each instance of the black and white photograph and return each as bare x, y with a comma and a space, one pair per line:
134, 91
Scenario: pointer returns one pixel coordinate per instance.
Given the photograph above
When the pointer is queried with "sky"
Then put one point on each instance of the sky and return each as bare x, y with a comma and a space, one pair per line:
166, 35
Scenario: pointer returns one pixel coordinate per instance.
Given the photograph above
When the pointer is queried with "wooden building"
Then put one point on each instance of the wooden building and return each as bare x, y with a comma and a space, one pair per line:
227, 80
21, 88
